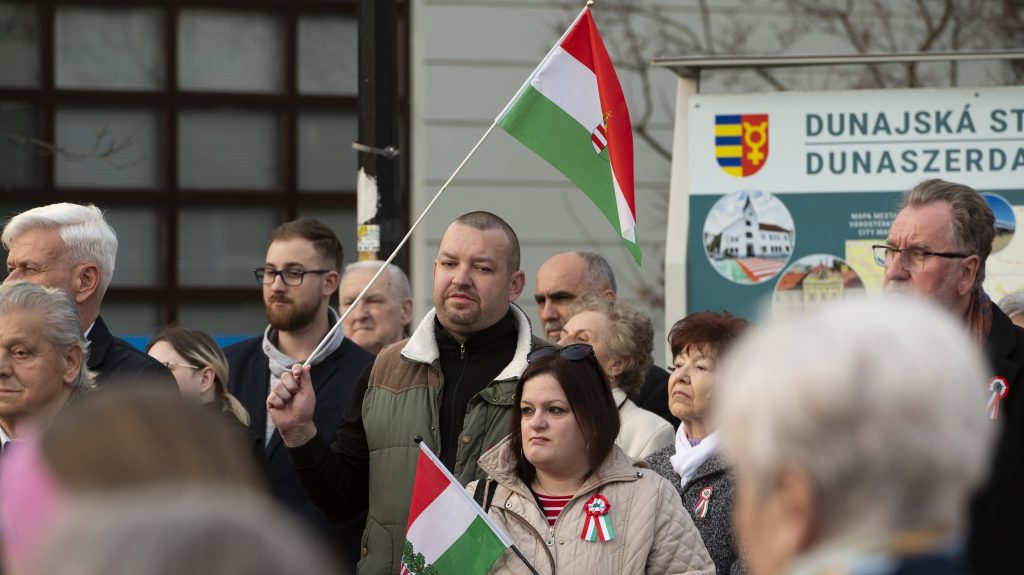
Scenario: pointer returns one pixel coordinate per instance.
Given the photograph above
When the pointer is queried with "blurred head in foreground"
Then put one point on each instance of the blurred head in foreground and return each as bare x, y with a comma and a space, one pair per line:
110, 442
860, 427
168, 531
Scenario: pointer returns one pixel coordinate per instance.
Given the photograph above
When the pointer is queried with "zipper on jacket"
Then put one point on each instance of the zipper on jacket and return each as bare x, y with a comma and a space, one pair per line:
522, 520
457, 424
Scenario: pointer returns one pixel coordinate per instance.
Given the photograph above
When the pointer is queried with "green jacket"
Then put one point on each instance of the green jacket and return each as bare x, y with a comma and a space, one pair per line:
403, 401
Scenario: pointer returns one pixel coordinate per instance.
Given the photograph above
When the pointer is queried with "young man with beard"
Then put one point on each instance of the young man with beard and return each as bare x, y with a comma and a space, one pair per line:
299, 277
452, 382
937, 248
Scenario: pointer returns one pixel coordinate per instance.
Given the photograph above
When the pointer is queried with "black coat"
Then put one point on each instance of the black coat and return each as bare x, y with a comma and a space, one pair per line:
116, 360
653, 395
333, 382
996, 534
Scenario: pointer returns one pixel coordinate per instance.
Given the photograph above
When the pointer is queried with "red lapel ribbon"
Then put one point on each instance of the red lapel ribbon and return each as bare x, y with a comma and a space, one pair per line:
597, 525
701, 509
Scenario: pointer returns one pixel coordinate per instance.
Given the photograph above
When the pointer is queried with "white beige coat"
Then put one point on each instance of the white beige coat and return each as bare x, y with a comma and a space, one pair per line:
653, 534
641, 432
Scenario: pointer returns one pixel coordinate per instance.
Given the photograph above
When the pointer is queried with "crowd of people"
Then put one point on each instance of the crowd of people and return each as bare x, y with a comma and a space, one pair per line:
880, 435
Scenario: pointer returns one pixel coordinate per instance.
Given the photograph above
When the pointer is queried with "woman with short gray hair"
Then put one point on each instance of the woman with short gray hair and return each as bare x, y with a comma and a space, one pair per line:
857, 435
622, 337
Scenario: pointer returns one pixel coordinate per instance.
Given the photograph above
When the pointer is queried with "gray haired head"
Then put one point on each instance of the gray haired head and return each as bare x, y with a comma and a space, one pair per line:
599, 272
400, 286
58, 313
87, 236
1013, 303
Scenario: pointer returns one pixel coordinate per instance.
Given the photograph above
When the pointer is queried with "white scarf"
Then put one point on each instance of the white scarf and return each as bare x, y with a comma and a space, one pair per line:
279, 362
689, 458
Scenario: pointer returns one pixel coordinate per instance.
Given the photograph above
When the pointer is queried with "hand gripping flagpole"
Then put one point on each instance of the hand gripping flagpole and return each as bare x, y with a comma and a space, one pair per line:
359, 298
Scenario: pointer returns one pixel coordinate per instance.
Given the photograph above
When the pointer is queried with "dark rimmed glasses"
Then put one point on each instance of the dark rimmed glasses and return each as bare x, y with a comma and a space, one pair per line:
912, 259
572, 352
291, 277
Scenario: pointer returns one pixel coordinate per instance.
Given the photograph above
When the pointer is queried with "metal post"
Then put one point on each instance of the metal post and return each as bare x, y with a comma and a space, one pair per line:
378, 203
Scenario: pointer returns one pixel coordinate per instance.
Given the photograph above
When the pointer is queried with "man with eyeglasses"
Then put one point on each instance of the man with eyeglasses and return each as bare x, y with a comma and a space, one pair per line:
452, 383
300, 275
936, 249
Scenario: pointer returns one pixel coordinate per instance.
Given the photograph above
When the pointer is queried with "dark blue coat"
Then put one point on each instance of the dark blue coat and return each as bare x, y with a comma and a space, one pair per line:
333, 382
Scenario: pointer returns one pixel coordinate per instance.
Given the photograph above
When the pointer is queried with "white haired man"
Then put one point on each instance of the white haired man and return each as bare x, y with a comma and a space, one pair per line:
566, 276
42, 358
857, 435
73, 248
383, 316
936, 249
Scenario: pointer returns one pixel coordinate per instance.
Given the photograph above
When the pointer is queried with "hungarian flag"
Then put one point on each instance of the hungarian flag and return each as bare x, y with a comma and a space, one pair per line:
447, 531
572, 113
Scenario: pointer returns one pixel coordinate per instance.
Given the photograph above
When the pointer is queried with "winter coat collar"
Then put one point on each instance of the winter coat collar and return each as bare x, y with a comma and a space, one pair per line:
499, 464
422, 345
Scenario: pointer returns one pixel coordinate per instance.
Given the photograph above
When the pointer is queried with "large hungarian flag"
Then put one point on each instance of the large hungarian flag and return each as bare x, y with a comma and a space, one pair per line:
572, 113
447, 531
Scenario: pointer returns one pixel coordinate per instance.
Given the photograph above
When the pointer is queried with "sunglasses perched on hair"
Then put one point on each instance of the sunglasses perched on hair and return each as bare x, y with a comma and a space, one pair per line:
572, 352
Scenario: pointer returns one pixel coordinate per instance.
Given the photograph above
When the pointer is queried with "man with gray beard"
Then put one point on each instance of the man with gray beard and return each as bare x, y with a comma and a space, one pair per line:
300, 275
936, 249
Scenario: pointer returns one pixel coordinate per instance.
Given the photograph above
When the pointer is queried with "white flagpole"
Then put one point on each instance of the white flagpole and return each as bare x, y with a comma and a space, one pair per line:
373, 279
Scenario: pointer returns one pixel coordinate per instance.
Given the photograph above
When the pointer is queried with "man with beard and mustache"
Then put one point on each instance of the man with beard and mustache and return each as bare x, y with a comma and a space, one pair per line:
564, 277
299, 277
936, 249
452, 383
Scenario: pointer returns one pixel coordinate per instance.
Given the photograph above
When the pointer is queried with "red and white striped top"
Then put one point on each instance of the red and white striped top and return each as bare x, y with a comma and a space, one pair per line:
552, 506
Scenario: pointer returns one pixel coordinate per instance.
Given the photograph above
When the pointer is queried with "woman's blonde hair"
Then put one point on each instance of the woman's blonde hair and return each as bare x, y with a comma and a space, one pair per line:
199, 349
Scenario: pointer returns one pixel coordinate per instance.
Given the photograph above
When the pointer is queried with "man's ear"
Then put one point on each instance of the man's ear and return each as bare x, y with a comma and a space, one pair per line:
406, 316
332, 281
85, 281
516, 285
969, 268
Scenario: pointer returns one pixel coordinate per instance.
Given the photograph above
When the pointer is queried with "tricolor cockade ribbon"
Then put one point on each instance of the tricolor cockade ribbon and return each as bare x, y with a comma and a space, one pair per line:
597, 526
700, 510
998, 389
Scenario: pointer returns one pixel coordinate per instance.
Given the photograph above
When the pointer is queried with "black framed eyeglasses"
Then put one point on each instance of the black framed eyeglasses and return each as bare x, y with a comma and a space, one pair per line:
912, 259
572, 352
290, 277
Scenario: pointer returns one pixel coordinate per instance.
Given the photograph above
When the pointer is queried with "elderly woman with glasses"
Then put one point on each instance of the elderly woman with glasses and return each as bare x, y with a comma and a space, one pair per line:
569, 498
700, 476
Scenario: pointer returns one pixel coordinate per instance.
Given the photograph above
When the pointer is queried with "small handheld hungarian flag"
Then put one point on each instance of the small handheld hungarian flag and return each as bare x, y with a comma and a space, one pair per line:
572, 113
447, 531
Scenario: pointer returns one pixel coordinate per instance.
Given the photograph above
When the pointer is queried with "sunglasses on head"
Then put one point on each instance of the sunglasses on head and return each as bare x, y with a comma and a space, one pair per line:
572, 352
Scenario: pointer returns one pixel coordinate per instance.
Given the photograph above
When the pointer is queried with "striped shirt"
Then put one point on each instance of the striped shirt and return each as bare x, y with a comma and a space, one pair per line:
552, 506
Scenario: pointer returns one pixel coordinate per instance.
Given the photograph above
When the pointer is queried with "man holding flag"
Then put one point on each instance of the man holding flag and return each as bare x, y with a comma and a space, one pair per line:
451, 383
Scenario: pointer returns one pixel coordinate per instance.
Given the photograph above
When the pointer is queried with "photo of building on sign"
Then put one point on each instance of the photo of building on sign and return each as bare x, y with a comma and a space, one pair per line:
748, 236
815, 280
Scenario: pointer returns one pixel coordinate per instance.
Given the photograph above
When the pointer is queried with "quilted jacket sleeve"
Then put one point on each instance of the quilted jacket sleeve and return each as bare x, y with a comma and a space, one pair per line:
677, 547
